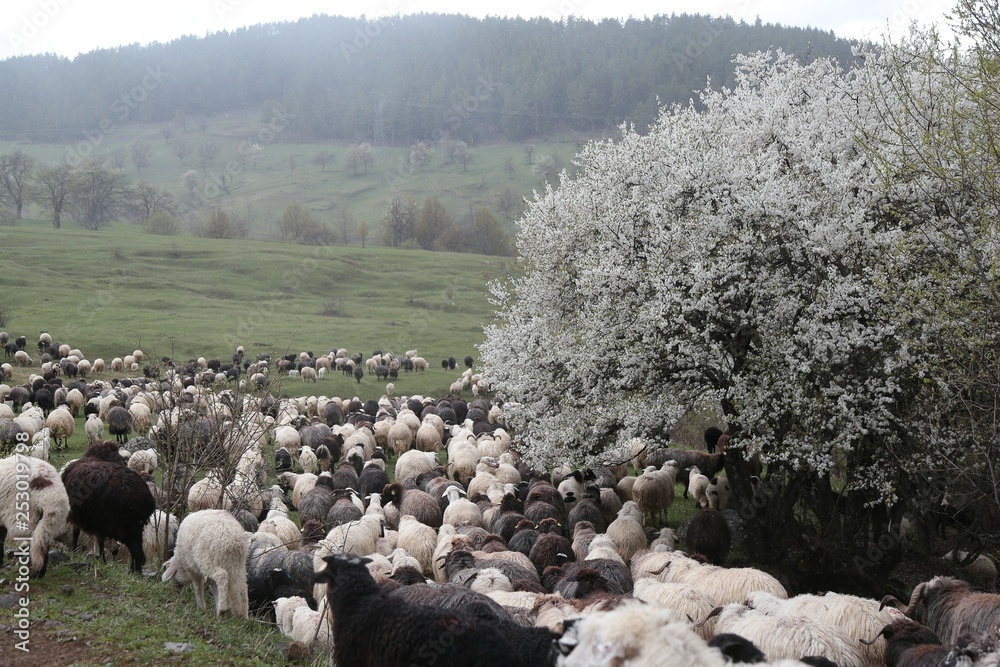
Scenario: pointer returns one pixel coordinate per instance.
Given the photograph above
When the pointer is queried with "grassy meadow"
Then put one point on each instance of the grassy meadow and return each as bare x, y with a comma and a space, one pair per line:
110, 292
286, 173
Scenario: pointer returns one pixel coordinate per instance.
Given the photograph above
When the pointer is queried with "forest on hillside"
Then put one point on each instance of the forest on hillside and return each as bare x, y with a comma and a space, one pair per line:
397, 80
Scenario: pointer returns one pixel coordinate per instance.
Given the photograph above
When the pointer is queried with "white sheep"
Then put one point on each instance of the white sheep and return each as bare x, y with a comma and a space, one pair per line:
297, 621
278, 524
698, 487
461, 511
860, 618
419, 541
212, 546
666, 541
790, 637
94, 428
685, 600
726, 585
160, 532
358, 538
489, 580
637, 635
143, 460
307, 459
41, 443
60, 422
21, 358
308, 373
413, 463
463, 457
206, 493
653, 490
627, 532
719, 493
45, 509
603, 547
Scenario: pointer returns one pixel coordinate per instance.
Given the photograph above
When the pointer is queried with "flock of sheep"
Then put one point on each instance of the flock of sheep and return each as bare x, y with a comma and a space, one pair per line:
464, 555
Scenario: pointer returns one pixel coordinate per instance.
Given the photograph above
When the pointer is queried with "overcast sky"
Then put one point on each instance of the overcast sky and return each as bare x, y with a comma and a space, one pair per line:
69, 27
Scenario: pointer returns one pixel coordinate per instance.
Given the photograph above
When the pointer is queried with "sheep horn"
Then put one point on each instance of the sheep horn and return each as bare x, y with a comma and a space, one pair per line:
915, 598
715, 612
869, 642
890, 600
660, 571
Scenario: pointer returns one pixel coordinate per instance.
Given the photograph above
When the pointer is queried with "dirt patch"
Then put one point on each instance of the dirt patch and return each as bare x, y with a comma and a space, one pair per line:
52, 646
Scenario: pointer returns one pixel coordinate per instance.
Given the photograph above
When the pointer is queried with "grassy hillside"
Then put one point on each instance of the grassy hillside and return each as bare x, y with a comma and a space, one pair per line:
109, 292
285, 173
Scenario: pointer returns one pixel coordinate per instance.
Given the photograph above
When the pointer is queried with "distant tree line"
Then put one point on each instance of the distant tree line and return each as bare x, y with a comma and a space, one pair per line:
395, 81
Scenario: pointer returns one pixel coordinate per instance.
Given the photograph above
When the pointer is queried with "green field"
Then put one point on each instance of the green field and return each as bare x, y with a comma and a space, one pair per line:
110, 292
285, 173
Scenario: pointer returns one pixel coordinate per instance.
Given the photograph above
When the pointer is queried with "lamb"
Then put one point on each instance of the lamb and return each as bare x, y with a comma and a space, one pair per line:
666, 541
789, 637
108, 500
44, 509
858, 617
41, 444
627, 532
950, 607
212, 545
60, 422
372, 630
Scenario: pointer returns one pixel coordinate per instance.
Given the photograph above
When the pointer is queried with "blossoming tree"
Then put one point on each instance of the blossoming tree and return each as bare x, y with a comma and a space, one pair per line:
741, 256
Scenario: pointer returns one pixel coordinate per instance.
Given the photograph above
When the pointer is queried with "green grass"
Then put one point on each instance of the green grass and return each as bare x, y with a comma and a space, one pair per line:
261, 193
112, 291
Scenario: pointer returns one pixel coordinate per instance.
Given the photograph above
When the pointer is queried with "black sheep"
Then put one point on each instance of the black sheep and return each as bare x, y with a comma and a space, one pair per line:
21, 342
708, 534
358, 374
282, 460
108, 500
372, 480
119, 423
712, 435
524, 537
343, 509
550, 548
372, 629
316, 503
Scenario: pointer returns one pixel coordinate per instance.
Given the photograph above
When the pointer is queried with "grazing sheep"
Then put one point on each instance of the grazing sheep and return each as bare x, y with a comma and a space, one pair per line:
212, 545
789, 637
40, 517
698, 487
21, 358
107, 499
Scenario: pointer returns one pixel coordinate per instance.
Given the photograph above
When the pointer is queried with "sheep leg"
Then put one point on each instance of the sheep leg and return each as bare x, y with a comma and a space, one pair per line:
138, 555
100, 547
198, 582
3, 538
220, 588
